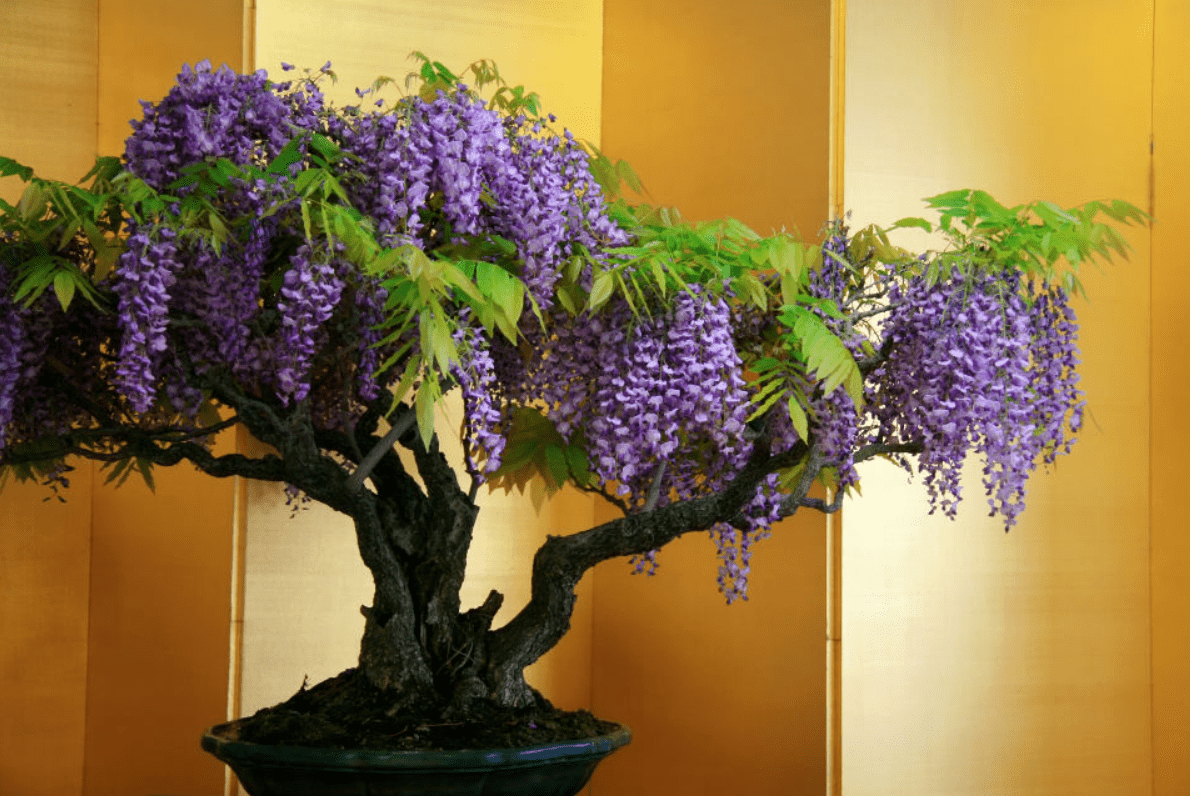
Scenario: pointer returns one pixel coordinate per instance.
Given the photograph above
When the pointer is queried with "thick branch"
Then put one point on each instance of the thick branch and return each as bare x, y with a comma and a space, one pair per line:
260, 417
885, 448
265, 468
561, 562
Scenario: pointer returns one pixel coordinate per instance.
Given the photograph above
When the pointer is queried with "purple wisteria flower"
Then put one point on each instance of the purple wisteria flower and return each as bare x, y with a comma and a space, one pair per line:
209, 113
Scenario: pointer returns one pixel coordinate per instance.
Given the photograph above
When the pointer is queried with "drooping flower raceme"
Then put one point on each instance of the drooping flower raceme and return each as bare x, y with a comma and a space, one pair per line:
148, 271
975, 366
12, 353
208, 114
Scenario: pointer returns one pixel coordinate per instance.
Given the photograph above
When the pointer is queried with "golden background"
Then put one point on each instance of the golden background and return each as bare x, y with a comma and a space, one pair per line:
1052, 660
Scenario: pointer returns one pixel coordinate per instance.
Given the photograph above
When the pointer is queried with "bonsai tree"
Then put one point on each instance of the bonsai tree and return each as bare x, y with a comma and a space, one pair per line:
324, 277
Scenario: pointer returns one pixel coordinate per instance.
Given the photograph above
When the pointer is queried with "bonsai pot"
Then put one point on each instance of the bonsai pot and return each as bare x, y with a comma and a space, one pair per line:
556, 769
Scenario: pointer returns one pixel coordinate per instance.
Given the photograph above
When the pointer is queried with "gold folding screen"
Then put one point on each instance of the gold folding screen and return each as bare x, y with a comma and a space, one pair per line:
114, 605
1051, 659
1169, 386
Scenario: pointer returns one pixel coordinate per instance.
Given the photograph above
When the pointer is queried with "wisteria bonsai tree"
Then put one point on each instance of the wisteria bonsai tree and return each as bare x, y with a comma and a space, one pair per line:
323, 276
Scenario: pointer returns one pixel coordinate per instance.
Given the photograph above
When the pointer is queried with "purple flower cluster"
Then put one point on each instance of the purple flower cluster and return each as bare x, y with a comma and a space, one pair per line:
220, 290
29, 408
559, 206
659, 385
309, 294
735, 545
228, 307
661, 402
208, 114
835, 417
1058, 402
12, 352
429, 173
147, 271
484, 422
491, 175
974, 366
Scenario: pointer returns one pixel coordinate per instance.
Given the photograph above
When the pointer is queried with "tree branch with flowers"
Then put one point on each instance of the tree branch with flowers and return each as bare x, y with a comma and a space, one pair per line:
324, 276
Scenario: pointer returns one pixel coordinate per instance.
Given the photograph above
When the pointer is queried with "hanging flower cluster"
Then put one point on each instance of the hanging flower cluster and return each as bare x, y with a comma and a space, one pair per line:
425, 173
974, 366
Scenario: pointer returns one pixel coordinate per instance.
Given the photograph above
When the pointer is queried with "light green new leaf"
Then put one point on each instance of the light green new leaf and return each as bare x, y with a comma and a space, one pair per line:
766, 397
412, 367
64, 288
601, 290
748, 287
307, 226
797, 416
572, 298
824, 354
33, 202
913, 222
428, 396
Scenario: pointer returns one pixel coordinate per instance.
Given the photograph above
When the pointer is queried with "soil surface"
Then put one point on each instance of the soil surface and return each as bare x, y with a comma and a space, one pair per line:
346, 712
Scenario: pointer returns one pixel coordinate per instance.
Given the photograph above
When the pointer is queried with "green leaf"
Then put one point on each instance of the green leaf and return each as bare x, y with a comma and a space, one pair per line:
601, 289
38, 275
325, 146
766, 398
791, 476
119, 472
10, 167
145, 466
34, 201
208, 414
427, 398
291, 153
559, 467
751, 289
64, 288
307, 226
913, 222
825, 355
580, 464
797, 416
572, 298
407, 378
626, 174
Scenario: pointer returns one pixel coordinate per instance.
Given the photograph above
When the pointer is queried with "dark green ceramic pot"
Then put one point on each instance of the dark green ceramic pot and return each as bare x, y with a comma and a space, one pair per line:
560, 769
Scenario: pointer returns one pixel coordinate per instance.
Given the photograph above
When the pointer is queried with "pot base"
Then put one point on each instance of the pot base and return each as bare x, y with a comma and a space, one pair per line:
556, 769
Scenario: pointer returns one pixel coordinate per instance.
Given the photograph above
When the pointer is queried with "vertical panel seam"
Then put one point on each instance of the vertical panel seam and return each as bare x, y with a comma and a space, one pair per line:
834, 547
1152, 207
248, 22
838, 88
93, 485
235, 666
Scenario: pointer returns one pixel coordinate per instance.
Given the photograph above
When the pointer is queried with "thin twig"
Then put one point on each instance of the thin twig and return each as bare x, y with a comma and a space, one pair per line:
610, 498
655, 488
356, 481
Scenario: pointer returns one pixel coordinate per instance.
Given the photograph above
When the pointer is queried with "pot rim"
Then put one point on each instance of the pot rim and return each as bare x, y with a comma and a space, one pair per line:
233, 752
